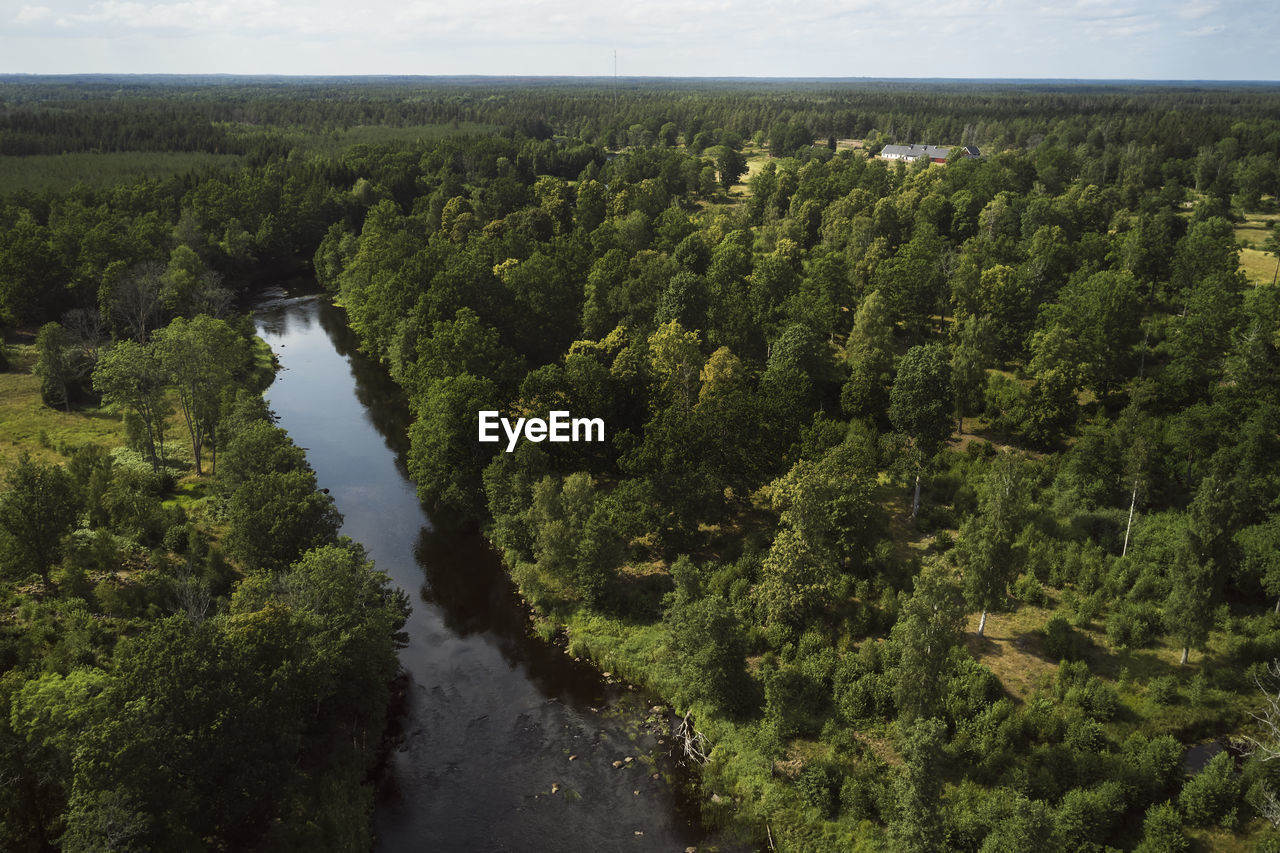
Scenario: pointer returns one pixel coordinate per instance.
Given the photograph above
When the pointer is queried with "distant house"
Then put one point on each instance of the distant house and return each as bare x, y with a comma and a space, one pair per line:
935, 153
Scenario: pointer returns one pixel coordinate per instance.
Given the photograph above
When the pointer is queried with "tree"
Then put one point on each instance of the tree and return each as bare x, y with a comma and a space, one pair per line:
986, 551
970, 355
200, 356
53, 366
1098, 318
1265, 747
134, 304
919, 827
256, 448
353, 618
675, 361
830, 502
129, 375
1199, 567
869, 354
729, 163
798, 583
930, 625
920, 405
275, 517
38, 507
445, 460
1272, 247
574, 548
709, 646
913, 280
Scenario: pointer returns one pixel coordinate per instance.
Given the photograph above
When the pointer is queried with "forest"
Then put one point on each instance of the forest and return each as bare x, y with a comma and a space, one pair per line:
942, 501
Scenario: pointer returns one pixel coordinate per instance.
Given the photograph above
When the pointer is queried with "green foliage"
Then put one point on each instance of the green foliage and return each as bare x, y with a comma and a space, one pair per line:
928, 628
1162, 831
1053, 287
710, 647
275, 517
1061, 641
921, 400
820, 786
130, 376
1212, 795
919, 825
1163, 690
444, 457
38, 507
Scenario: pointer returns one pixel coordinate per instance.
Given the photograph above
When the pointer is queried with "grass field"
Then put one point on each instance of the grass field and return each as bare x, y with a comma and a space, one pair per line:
27, 424
60, 172
1258, 265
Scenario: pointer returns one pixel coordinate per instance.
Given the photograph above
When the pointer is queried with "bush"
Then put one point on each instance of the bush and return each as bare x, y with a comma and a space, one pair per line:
1163, 690
1133, 625
1211, 795
793, 702
1028, 589
1085, 736
1100, 700
1005, 403
1198, 691
819, 785
1162, 831
1061, 641
1086, 815
934, 517
858, 799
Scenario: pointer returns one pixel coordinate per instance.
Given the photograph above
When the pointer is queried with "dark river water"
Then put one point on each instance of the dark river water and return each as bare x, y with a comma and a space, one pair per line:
494, 714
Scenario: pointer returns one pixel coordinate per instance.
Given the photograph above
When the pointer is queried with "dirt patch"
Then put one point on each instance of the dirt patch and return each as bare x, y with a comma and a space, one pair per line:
1011, 648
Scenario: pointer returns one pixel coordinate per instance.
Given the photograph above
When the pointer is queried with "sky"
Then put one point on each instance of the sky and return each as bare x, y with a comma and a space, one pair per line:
1093, 39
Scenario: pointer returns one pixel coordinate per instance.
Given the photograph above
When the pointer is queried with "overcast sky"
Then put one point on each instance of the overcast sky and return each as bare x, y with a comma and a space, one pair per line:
1177, 39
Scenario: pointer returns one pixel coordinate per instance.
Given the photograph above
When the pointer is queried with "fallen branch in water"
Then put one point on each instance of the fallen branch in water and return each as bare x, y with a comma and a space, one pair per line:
694, 741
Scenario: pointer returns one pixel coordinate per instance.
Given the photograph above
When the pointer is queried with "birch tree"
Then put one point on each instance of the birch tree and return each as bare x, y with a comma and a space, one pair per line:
921, 405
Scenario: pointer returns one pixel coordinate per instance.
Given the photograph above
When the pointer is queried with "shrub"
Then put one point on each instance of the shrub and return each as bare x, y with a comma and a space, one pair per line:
1086, 815
793, 702
1162, 831
819, 785
1061, 642
1100, 700
1198, 690
859, 799
1211, 795
1028, 589
1085, 736
1163, 690
1132, 624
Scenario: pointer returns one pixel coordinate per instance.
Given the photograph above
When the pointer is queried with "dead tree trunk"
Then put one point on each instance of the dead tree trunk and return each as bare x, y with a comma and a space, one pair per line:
1133, 501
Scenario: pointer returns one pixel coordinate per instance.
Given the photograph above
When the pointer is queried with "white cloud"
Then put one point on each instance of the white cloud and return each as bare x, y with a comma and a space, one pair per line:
1014, 38
32, 14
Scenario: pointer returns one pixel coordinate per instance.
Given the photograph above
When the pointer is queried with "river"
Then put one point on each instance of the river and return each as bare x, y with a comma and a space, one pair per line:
496, 718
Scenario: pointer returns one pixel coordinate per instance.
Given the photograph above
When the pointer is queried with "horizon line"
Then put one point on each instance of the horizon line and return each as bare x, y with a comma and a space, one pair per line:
639, 78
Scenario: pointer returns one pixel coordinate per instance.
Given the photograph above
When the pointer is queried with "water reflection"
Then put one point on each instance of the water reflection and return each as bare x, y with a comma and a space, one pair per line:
493, 713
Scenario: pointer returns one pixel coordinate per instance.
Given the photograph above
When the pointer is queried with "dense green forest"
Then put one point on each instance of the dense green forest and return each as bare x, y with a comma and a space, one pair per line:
943, 501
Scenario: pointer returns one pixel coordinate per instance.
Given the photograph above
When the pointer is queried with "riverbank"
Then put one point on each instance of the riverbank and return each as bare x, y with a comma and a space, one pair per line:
495, 718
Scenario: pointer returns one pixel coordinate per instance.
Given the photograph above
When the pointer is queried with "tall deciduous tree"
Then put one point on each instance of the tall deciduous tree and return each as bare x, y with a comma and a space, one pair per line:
200, 356
869, 354
986, 552
37, 508
53, 365
921, 403
919, 826
130, 376
930, 626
